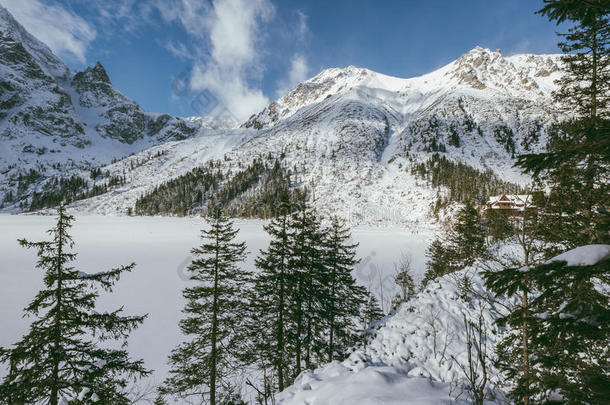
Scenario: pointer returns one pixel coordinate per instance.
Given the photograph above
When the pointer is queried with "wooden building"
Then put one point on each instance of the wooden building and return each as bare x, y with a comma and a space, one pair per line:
511, 204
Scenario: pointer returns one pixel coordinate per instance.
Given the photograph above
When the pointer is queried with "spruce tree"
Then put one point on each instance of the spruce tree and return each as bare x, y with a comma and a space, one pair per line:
343, 296
568, 326
308, 284
459, 248
576, 163
437, 264
64, 357
214, 313
271, 298
498, 225
370, 311
403, 277
466, 239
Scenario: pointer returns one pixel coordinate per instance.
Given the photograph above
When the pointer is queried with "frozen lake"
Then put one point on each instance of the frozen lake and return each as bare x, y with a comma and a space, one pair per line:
160, 247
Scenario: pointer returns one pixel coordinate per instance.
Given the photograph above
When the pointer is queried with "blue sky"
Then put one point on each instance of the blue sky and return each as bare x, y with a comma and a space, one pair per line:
244, 53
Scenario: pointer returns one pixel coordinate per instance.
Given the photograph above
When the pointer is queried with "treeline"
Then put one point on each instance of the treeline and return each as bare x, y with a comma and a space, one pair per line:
64, 190
251, 192
465, 183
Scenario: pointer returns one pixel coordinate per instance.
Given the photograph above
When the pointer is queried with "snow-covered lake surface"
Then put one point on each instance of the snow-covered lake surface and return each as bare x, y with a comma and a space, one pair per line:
160, 247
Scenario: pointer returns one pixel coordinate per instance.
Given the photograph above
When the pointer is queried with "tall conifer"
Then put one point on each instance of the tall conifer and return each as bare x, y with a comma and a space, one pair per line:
214, 314
271, 298
62, 359
343, 296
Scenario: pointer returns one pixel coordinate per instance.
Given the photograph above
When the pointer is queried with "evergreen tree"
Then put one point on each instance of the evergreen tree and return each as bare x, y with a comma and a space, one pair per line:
271, 298
437, 264
459, 248
403, 277
576, 163
569, 330
466, 239
498, 225
308, 284
370, 311
62, 358
343, 296
214, 313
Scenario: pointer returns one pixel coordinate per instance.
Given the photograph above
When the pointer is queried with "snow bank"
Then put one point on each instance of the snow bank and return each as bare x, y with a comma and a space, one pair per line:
413, 357
369, 386
587, 255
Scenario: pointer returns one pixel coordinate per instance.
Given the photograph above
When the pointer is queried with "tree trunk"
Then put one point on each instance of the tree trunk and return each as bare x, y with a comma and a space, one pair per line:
280, 331
525, 355
298, 345
594, 57
57, 327
524, 302
331, 346
213, 360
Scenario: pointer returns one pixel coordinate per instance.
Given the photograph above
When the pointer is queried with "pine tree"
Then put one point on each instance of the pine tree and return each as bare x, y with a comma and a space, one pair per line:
437, 264
569, 330
574, 167
498, 225
403, 277
343, 296
466, 239
308, 284
270, 303
576, 162
62, 358
214, 312
459, 248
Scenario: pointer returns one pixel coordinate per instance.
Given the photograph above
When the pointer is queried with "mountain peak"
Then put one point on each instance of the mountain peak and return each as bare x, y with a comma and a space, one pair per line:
95, 74
12, 31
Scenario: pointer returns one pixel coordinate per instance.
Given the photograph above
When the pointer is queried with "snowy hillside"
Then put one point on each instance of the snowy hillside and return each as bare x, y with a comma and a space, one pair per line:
420, 351
417, 352
54, 122
353, 135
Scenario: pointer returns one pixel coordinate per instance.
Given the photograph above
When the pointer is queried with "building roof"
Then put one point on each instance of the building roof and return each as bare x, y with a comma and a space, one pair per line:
514, 201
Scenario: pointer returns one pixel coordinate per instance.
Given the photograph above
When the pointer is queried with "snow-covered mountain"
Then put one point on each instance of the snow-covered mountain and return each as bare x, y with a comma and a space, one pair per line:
353, 135
54, 122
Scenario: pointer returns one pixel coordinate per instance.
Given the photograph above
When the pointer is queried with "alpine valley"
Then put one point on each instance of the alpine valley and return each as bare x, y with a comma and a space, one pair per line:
364, 239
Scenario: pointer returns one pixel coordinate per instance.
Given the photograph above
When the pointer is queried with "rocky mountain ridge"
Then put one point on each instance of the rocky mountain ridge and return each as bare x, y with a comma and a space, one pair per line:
353, 136
356, 139
53, 122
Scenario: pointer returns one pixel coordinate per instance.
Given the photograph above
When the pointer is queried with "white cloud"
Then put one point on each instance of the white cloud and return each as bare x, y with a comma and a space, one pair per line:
64, 32
226, 35
299, 71
231, 88
302, 28
189, 13
180, 50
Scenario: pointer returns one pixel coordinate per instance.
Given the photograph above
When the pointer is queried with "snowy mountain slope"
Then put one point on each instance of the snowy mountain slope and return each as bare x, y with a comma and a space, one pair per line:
352, 134
518, 76
148, 169
53, 122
